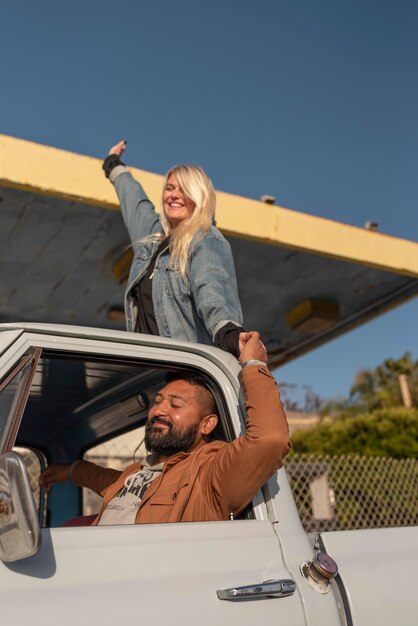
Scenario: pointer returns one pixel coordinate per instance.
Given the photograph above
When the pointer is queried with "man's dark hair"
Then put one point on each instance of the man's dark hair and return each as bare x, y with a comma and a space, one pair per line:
204, 395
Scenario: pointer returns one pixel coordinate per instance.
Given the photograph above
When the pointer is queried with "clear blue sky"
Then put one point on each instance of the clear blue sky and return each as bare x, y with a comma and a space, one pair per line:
314, 102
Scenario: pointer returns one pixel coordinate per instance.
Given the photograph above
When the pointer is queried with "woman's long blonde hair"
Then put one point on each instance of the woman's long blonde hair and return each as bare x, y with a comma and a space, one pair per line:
198, 187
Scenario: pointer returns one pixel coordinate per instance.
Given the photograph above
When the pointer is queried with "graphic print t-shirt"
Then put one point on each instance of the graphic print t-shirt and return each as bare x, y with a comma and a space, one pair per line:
123, 507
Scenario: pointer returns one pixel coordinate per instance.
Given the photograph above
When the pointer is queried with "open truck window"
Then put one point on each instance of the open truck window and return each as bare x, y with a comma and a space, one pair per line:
91, 407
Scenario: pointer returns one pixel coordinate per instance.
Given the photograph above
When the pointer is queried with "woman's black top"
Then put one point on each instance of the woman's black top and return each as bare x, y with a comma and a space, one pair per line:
146, 322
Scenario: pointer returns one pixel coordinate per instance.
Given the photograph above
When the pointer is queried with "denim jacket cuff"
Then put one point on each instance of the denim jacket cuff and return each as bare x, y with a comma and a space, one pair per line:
119, 169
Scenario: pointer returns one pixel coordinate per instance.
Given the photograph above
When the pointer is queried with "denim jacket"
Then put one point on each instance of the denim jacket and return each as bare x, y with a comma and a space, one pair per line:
191, 309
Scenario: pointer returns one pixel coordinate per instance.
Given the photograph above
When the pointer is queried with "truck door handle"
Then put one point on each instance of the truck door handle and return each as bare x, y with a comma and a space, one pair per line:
267, 589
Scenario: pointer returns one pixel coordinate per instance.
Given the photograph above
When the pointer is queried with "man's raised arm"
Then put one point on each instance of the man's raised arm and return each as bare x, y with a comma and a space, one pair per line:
243, 466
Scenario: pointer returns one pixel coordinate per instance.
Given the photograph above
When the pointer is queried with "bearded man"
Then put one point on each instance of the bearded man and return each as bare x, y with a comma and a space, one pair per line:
187, 477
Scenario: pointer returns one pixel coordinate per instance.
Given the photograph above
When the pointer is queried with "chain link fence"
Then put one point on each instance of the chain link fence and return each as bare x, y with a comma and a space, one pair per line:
349, 492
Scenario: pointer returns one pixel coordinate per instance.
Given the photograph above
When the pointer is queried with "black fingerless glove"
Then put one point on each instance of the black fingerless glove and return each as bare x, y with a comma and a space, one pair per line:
110, 162
227, 338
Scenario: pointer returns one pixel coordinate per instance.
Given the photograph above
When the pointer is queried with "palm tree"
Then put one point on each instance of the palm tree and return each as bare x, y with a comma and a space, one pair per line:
379, 387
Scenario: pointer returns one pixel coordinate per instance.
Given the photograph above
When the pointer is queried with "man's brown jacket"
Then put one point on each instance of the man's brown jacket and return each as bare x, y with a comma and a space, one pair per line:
216, 480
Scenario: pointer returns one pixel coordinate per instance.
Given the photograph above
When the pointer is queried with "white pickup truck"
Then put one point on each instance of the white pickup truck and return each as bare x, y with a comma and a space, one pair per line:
64, 390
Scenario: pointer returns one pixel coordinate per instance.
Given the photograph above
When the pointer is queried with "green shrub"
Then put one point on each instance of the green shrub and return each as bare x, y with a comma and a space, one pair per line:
384, 432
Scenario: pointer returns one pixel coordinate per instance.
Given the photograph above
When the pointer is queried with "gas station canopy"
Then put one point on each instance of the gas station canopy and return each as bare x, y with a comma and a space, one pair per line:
303, 280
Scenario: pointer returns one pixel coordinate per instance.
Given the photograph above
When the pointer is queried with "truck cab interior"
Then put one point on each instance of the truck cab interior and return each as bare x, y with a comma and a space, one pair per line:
79, 402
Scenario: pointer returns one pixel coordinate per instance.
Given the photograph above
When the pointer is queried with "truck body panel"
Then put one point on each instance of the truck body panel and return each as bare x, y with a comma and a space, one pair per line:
376, 568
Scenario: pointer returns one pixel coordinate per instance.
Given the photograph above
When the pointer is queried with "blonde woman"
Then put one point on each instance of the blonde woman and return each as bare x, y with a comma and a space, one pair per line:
182, 281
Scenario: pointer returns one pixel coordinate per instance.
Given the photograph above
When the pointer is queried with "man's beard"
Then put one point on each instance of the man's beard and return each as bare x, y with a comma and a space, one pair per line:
170, 442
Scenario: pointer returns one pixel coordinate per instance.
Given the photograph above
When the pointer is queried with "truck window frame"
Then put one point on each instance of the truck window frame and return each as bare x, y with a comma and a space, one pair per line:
143, 362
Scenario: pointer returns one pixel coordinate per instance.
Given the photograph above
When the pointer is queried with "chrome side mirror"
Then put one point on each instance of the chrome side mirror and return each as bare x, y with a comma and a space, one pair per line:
20, 534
